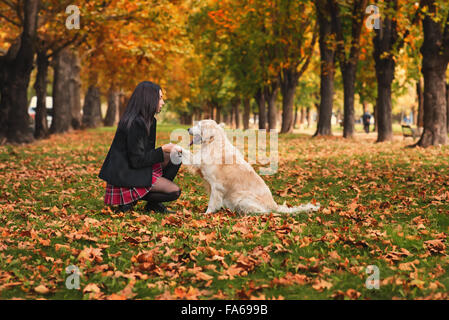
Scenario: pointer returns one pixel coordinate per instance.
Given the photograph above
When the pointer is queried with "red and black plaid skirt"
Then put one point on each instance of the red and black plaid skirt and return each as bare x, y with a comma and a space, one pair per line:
123, 195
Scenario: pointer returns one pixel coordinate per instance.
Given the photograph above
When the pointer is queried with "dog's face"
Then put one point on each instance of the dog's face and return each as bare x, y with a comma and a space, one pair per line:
204, 131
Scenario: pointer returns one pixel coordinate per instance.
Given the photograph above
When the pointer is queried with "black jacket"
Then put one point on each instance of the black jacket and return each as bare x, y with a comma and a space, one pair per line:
131, 156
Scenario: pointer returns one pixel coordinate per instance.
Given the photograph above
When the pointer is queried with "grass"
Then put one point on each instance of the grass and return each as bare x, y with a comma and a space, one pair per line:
382, 205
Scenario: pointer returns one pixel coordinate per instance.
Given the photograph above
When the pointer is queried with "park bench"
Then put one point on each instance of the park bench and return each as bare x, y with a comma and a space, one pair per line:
408, 131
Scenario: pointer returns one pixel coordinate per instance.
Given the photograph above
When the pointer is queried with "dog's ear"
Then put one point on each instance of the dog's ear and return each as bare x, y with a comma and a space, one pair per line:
207, 133
222, 125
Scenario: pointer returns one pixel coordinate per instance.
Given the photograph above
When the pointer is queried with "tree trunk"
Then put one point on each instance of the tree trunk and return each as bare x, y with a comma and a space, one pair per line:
211, 110
92, 107
288, 84
376, 122
348, 63
246, 113
218, 114
111, 118
384, 123
348, 105
226, 118
327, 53
308, 117
271, 93
235, 107
260, 99
434, 65
40, 86
302, 117
295, 121
384, 42
447, 106
62, 114
18, 65
75, 90
123, 102
420, 94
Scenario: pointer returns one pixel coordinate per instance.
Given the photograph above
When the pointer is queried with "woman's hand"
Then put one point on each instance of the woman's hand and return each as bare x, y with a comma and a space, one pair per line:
168, 148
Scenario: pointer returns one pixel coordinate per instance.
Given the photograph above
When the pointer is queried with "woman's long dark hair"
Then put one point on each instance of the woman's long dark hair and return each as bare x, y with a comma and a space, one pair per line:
143, 103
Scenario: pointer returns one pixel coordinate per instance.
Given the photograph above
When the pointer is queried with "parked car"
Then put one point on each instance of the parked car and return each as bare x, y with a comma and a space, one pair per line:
32, 110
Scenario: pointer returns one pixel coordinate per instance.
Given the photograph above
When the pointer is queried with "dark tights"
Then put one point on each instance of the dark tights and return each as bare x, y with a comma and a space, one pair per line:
164, 189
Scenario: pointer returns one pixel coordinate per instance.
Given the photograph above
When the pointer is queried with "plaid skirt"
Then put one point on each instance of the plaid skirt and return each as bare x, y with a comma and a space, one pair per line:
123, 195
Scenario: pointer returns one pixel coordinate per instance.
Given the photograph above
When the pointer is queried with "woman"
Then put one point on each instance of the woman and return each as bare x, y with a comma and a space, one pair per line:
134, 169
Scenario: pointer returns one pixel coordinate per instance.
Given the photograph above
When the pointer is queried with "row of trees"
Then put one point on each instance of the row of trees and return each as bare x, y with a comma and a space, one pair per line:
261, 48
220, 56
101, 48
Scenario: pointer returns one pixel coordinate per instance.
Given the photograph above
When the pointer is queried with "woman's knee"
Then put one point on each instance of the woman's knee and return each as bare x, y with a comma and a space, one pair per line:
177, 192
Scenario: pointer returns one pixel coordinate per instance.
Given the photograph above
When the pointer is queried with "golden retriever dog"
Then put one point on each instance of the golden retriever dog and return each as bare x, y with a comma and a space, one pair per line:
230, 180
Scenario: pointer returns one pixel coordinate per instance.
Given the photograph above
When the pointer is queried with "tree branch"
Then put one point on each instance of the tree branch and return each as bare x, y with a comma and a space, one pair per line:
9, 20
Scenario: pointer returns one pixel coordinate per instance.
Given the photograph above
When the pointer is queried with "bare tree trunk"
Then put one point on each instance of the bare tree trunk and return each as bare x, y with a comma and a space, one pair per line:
324, 127
226, 118
62, 115
40, 86
218, 113
75, 90
348, 63
211, 110
17, 66
92, 108
376, 117
447, 106
295, 120
434, 66
246, 113
260, 99
308, 117
348, 106
288, 86
420, 94
384, 42
123, 102
271, 93
302, 116
235, 107
111, 118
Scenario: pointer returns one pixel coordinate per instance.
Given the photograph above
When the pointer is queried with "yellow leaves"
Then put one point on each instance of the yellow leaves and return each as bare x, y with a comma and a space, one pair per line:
171, 220
91, 287
231, 272
291, 279
408, 266
394, 256
90, 254
334, 255
321, 284
435, 246
184, 293
209, 237
350, 294
241, 227
42, 289
203, 276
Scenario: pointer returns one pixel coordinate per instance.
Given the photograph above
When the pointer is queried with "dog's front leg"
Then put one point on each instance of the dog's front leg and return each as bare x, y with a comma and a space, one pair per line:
191, 159
215, 201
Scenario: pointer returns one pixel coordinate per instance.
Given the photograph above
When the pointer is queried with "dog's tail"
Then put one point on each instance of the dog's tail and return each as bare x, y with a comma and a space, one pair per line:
309, 207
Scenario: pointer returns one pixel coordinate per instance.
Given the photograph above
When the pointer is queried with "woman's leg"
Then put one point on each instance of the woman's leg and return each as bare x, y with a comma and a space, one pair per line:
170, 170
162, 191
